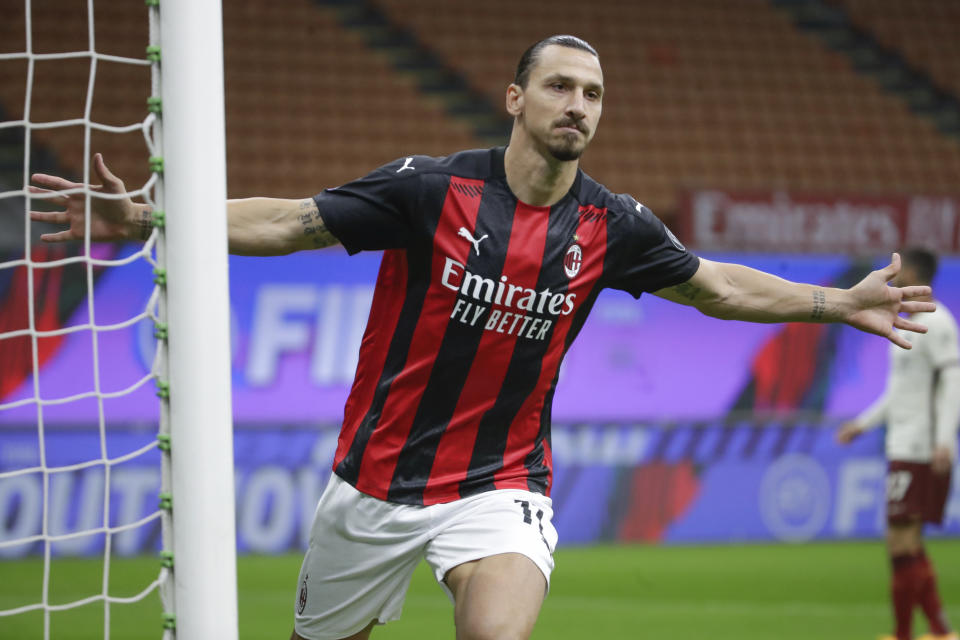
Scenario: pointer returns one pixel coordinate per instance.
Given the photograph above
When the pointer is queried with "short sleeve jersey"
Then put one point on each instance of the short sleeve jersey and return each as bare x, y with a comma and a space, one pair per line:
912, 384
478, 298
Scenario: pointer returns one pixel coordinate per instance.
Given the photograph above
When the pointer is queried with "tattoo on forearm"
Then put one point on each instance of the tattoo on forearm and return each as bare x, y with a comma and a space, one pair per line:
313, 225
688, 291
145, 223
819, 304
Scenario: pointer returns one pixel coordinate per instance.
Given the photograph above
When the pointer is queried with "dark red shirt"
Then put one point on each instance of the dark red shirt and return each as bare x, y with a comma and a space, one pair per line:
478, 298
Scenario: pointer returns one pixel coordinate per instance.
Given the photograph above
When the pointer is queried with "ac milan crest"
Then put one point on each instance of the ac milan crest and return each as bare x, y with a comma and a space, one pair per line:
573, 260
302, 601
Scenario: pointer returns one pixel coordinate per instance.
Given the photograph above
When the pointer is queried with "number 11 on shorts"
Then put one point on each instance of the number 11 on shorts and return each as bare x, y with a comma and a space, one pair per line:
528, 517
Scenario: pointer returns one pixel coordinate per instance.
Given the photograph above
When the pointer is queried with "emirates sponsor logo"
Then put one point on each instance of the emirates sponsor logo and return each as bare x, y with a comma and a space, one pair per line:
502, 306
573, 260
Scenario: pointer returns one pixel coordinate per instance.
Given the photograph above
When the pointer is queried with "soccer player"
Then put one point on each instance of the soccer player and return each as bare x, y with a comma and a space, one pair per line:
492, 261
921, 408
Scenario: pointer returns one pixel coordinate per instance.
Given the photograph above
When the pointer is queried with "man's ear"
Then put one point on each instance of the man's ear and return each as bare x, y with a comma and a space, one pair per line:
514, 100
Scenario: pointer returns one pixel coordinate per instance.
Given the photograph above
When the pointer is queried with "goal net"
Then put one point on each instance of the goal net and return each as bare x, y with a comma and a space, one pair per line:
91, 360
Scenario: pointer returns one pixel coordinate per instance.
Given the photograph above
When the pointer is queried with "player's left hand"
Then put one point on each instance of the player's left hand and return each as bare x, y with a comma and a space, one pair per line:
942, 460
876, 306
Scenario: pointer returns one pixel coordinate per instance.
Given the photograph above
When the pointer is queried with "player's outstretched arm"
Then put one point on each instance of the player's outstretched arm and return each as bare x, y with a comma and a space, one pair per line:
273, 226
735, 292
255, 226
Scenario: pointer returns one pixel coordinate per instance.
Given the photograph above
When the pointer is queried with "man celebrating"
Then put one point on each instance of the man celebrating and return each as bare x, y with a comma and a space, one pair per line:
492, 262
921, 408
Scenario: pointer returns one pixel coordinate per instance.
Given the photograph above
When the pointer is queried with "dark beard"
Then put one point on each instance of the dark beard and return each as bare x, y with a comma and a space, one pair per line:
566, 150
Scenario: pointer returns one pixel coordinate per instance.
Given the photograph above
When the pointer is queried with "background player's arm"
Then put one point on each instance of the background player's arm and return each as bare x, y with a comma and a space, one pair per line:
947, 412
255, 226
871, 418
735, 292
943, 351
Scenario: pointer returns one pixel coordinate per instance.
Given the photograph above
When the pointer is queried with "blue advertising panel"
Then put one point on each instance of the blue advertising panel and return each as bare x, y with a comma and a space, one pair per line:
622, 472
634, 482
297, 322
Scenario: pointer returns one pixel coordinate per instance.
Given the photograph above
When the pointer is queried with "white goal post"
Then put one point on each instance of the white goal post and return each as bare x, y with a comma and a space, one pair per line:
194, 154
189, 307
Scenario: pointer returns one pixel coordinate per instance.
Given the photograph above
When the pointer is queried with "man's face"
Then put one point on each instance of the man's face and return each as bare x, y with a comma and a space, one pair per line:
561, 104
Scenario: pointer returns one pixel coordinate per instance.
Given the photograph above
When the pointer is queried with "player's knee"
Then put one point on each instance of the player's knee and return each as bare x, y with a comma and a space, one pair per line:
492, 627
904, 537
489, 632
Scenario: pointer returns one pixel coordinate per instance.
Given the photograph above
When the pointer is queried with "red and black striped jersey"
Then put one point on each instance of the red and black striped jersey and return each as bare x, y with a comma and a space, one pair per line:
478, 298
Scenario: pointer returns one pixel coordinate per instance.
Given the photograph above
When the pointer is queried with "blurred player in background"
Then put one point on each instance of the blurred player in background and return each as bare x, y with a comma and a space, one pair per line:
921, 409
492, 261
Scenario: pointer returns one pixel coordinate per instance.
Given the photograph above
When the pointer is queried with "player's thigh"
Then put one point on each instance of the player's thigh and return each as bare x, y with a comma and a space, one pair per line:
496, 598
493, 553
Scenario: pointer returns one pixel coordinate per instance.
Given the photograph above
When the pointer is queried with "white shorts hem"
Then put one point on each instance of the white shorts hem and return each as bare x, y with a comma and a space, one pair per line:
346, 634
442, 571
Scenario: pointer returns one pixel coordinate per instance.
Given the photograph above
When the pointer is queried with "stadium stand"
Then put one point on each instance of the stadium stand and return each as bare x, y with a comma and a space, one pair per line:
925, 33
701, 94
707, 94
308, 105
59, 87
873, 55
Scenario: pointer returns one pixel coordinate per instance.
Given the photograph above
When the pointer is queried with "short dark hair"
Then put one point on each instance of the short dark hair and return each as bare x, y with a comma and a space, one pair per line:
922, 261
530, 56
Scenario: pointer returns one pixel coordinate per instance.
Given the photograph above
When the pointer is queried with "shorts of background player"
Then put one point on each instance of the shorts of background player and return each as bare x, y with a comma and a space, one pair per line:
915, 492
363, 550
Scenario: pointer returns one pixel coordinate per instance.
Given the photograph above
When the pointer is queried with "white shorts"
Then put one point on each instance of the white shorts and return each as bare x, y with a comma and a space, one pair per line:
363, 550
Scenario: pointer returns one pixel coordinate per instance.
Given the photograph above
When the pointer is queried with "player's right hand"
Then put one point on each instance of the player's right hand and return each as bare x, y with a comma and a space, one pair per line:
848, 432
111, 219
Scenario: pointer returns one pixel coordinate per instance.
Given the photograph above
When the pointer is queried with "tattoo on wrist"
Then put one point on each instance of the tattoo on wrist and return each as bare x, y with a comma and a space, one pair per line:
819, 304
688, 291
313, 225
145, 223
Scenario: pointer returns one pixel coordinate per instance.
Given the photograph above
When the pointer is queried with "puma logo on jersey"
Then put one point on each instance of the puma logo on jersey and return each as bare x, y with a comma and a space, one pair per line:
407, 165
466, 235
